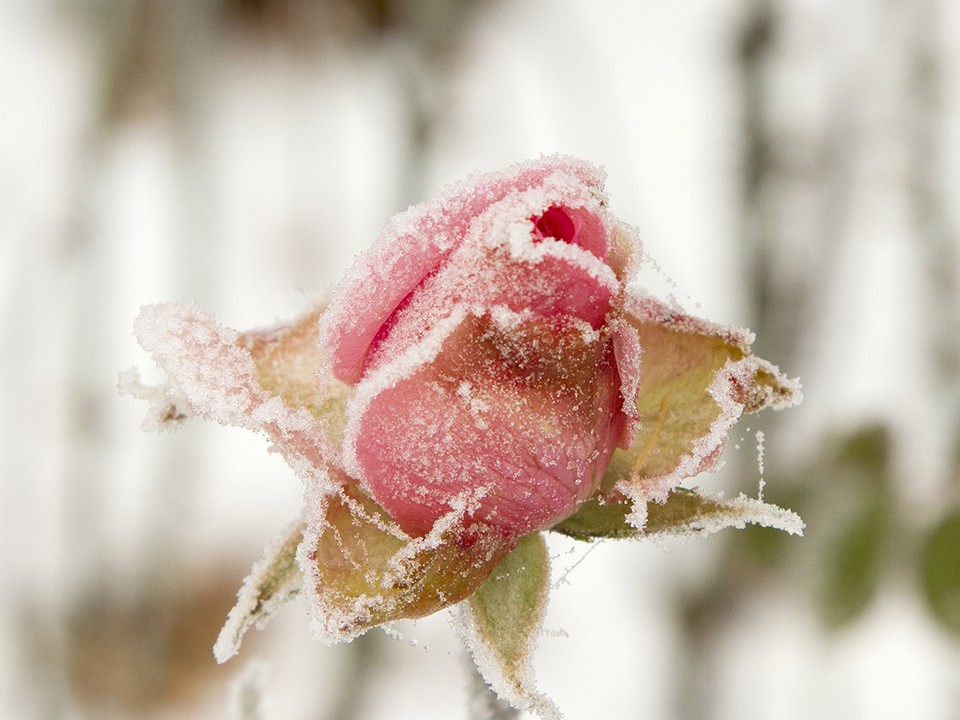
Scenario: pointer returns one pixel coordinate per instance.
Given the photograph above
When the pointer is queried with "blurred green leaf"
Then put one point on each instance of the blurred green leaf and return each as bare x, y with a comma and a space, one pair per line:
940, 567
865, 451
852, 563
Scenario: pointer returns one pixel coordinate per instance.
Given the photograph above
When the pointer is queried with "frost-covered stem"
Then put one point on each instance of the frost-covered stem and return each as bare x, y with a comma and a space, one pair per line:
360, 665
482, 701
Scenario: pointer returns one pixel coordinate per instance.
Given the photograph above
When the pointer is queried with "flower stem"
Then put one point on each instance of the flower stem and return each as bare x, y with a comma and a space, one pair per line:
482, 702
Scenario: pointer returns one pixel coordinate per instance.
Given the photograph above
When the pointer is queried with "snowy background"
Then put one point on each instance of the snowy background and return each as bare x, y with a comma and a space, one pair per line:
794, 167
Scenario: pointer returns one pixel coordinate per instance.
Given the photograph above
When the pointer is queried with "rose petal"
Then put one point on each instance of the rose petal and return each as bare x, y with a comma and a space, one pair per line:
521, 411
412, 246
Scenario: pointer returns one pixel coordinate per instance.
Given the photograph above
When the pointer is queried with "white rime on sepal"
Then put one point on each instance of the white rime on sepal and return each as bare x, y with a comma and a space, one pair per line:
502, 620
167, 408
689, 513
272, 582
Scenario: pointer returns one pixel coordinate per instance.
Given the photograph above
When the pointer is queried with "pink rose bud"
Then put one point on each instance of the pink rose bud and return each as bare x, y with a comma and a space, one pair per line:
485, 340
474, 379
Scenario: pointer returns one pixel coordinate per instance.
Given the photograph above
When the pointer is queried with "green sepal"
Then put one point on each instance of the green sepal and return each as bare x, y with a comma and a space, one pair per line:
685, 512
697, 378
364, 571
272, 582
502, 622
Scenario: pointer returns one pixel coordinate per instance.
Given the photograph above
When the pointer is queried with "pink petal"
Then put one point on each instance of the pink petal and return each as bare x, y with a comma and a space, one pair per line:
524, 437
557, 224
411, 247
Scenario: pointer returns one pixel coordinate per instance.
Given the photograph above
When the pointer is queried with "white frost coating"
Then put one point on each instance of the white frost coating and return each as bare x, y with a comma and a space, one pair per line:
521, 694
332, 625
202, 360
597, 269
738, 513
387, 376
166, 408
253, 609
210, 375
637, 517
734, 378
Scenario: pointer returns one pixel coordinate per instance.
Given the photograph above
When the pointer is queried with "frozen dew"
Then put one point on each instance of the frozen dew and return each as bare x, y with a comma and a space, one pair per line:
760, 439
272, 582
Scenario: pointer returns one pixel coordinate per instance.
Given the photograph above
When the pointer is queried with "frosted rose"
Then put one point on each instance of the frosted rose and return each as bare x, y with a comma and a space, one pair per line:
485, 371
486, 340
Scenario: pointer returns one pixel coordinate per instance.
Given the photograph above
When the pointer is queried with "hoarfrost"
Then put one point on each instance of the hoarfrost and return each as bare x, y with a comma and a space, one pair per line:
211, 375
502, 646
272, 582
690, 514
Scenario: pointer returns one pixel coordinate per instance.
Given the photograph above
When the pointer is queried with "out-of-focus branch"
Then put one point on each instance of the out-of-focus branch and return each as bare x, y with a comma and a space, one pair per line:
932, 223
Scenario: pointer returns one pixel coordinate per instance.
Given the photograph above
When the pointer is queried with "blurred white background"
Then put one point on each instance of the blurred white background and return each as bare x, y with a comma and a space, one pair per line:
793, 166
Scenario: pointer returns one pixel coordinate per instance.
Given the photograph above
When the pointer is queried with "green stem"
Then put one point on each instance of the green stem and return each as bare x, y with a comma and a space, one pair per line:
482, 702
